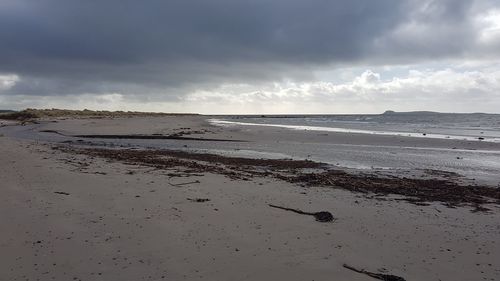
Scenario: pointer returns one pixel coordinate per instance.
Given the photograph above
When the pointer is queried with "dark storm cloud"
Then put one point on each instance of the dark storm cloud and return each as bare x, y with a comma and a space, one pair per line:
75, 46
131, 31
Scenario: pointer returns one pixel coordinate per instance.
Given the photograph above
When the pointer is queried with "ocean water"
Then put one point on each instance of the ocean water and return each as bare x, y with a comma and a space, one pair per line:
474, 126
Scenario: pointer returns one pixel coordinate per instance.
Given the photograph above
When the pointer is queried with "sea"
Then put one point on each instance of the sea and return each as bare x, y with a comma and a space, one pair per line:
462, 126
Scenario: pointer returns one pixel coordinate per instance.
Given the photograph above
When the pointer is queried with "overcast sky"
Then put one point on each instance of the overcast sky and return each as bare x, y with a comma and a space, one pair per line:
259, 56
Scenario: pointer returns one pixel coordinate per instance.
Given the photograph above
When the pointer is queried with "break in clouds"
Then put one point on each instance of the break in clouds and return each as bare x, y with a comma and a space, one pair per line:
283, 56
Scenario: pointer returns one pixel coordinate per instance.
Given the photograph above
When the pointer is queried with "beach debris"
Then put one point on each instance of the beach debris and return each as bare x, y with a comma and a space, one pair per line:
184, 183
417, 191
379, 276
442, 187
61, 192
478, 208
198, 200
322, 216
50, 131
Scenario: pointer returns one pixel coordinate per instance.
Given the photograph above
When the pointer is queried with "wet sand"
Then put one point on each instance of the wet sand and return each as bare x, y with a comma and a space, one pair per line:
82, 216
476, 162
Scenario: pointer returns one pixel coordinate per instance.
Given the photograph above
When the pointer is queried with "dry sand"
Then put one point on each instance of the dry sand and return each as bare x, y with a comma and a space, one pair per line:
70, 217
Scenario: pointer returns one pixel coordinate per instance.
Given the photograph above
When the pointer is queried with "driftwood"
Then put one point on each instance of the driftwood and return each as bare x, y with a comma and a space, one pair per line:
379, 276
322, 216
198, 200
61, 192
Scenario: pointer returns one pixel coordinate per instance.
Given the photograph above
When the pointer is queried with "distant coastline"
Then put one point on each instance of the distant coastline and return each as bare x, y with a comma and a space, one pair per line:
32, 113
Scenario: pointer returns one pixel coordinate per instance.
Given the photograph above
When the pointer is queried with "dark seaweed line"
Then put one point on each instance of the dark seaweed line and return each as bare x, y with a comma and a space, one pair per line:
152, 137
141, 137
416, 191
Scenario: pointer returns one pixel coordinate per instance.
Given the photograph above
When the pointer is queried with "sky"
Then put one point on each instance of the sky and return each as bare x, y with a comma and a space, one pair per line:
251, 57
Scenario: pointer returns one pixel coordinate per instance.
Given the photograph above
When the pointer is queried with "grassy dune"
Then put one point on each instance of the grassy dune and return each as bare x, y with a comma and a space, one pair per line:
54, 113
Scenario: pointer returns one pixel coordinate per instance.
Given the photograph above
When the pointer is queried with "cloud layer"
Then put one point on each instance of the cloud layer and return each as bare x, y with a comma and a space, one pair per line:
170, 51
445, 90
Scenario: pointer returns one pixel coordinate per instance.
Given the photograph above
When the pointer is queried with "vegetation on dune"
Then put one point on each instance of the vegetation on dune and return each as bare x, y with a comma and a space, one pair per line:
31, 113
18, 115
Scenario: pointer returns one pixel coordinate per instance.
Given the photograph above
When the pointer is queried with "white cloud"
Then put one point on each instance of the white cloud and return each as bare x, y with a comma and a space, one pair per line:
8, 81
488, 25
440, 90
449, 89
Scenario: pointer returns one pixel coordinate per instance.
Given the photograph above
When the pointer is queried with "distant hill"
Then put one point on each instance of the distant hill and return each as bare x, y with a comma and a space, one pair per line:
6, 111
389, 112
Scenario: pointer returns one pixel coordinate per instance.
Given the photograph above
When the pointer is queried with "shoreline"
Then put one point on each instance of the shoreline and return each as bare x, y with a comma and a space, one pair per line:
357, 131
476, 162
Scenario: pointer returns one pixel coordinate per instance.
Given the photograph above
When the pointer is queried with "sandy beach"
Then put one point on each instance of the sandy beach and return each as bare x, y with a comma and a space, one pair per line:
250, 140
71, 212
